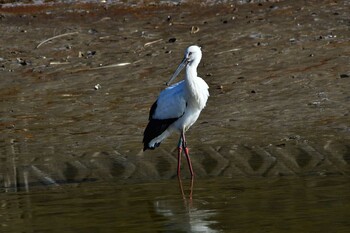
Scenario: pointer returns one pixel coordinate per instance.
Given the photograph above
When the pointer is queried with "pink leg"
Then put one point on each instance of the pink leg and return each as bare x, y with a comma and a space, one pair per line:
179, 150
184, 145
179, 160
189, 161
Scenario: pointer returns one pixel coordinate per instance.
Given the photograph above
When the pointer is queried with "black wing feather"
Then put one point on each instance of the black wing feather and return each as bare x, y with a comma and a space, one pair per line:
155, 128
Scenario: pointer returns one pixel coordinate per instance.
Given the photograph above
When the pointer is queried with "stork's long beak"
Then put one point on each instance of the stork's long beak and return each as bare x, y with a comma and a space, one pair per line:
178, 70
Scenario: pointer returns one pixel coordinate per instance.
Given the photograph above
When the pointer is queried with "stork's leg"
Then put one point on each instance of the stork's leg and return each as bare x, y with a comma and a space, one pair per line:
184, 145
179, 150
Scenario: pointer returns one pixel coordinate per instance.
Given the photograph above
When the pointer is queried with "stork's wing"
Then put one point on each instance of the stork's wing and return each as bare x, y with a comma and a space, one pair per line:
171, 103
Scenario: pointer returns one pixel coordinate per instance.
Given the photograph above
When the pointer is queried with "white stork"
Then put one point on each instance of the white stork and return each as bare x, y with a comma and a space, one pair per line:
178, 106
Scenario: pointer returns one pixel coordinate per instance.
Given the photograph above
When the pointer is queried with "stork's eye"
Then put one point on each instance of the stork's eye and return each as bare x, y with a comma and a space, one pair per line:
190, 53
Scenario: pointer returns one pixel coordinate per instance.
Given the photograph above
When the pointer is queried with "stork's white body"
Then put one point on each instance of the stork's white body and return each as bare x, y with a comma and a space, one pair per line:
178, 106
184, 100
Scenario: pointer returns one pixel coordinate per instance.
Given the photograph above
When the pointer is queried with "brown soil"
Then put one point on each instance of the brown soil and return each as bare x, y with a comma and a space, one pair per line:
278, 73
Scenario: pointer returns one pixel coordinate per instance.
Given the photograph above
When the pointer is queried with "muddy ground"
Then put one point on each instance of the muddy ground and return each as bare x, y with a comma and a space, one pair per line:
74, 107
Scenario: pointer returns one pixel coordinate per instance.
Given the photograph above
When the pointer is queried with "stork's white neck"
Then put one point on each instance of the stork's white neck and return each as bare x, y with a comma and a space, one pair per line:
193, 87
191, 70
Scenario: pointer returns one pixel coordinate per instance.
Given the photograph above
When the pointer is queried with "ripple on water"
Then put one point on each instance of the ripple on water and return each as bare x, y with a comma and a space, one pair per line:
304, 204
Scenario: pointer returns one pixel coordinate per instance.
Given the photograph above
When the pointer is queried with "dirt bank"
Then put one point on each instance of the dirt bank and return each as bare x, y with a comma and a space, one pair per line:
73, 107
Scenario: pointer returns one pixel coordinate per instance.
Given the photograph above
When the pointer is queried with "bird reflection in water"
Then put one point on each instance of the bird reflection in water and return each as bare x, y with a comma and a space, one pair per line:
186, 215
183, 193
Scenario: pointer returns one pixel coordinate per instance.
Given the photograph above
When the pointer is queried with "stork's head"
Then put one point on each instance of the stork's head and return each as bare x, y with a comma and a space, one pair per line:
193, 56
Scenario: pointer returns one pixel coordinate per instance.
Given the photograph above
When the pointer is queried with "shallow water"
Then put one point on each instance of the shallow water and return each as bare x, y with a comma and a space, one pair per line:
305, 204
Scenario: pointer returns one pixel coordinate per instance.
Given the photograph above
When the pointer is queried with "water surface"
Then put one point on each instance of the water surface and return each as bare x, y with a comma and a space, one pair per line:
299, 204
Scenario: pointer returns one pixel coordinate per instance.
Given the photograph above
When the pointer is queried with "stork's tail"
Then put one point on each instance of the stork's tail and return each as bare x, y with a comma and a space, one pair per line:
154, 129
